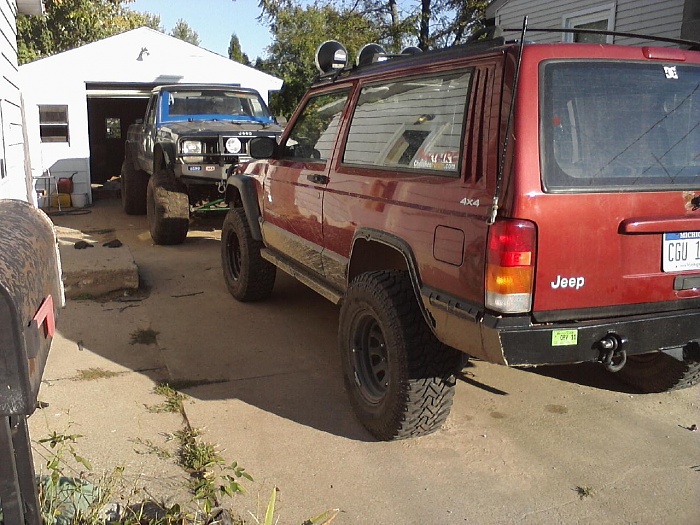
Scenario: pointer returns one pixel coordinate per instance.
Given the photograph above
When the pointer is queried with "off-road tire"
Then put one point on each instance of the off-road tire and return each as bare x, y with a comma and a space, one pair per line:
168, 208
134, 186
659, 372
399, 377
248, 276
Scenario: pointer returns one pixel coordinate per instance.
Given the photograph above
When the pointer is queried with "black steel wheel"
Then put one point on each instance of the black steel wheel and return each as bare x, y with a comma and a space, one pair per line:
399, 377
370, 358
134, 187
248, 276
168, 208
659, 372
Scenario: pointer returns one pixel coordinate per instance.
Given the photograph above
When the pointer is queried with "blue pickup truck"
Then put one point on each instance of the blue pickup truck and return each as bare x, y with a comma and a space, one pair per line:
179, 157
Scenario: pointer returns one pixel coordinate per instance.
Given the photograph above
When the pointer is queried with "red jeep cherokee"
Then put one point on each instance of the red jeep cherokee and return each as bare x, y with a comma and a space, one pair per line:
521, 204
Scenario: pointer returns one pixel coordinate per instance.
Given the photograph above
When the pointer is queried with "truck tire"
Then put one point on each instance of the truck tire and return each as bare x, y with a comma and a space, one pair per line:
248, 276
658, 372
400, 378
134, 186
168, 208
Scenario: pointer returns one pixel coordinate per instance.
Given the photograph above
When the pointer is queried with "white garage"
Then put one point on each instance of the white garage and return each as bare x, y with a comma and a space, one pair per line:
79, 104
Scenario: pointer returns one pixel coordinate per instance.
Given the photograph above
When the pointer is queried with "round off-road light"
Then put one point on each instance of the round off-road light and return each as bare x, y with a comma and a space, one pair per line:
233, 145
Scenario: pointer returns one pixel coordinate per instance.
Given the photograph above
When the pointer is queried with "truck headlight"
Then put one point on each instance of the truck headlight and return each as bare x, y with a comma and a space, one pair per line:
233, 145
190, 147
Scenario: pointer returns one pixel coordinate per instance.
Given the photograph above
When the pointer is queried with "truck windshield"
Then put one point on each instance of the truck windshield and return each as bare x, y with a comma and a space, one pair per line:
213, 105
607, 126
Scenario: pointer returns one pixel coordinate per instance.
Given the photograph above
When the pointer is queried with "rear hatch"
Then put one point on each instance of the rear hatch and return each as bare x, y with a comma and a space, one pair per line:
617, 207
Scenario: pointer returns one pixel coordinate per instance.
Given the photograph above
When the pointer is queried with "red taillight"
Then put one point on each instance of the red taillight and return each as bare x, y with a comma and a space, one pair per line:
510, 266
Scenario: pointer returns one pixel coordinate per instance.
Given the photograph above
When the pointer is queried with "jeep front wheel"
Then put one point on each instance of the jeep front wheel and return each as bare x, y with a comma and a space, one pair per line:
399, 377
134, 186
659, 372
168, 208
248, 276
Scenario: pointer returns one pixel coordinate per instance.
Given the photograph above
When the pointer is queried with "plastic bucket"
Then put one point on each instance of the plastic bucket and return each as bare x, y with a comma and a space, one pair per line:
59, 200
79, 200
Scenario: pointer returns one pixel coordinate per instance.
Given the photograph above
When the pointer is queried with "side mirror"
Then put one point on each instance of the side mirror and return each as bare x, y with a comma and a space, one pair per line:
262, 148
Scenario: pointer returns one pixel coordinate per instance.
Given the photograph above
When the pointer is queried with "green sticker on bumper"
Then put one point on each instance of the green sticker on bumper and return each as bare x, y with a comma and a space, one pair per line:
564, 337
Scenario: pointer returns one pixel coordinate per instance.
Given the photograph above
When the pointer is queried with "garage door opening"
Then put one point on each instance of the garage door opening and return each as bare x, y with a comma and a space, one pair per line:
109, 116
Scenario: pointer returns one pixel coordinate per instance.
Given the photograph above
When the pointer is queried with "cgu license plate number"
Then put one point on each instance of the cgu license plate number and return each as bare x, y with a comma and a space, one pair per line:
681, 251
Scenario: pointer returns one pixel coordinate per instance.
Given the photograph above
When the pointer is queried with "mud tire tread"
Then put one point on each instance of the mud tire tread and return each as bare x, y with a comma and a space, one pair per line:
659, 373
168, 209
422, 370
134, 187
256, 276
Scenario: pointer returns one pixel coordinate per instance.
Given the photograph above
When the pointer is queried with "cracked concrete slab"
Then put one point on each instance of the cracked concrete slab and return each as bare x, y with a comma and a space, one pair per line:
91, 269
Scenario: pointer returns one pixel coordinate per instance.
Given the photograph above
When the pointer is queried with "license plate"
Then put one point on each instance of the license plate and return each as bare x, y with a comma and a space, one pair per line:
681, 251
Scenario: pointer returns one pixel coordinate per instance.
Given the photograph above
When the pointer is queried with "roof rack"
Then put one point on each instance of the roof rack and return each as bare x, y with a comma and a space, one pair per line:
373, 56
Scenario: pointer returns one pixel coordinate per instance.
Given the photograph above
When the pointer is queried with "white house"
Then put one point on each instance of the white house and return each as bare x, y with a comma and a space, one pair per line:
14, 181
659, 18
79, 104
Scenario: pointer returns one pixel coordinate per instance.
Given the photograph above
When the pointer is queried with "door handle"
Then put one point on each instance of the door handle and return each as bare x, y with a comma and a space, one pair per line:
318, 179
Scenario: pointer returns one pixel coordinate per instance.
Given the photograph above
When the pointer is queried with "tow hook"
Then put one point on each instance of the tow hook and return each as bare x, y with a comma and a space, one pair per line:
221, 187
612, 354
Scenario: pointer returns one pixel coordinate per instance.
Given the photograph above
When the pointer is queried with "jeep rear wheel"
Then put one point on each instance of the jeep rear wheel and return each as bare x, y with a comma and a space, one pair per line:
399, 377
134, 186
168, 209
659, 372
248, 276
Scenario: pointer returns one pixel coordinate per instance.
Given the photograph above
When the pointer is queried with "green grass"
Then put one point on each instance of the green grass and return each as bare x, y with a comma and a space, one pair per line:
92, 374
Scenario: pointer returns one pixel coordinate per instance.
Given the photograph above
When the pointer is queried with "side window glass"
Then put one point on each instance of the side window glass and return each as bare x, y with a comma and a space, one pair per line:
414, 124
313, 133
151, 117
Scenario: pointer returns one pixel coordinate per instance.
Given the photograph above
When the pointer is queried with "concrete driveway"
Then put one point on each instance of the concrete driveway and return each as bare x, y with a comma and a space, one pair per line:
555, 445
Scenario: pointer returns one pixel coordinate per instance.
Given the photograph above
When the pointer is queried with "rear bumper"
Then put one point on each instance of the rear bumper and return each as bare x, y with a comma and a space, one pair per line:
525, 344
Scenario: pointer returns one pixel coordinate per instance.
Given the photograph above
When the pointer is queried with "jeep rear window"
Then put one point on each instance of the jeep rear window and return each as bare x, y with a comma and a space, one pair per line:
608, 126
213, 105
414, 124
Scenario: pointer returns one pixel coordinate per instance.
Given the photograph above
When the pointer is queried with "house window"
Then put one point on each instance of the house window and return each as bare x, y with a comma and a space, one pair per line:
53, 123
113, 128
601, 17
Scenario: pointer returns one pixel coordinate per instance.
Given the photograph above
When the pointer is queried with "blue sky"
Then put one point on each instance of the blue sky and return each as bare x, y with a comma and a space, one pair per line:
214, 21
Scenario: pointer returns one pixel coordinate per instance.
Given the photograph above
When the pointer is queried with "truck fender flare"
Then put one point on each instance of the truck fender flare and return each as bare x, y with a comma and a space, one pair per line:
247, 189
406, 252
166, 152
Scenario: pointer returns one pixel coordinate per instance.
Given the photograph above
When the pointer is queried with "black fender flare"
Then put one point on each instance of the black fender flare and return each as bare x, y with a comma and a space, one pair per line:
247, 189
405, 250
166, 152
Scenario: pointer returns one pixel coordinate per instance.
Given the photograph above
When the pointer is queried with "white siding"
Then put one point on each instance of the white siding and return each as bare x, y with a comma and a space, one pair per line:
13, 177
660, 18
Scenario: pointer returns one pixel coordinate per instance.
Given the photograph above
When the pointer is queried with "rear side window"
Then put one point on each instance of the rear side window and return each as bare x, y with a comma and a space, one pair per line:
414, 124
616, 125
313, 133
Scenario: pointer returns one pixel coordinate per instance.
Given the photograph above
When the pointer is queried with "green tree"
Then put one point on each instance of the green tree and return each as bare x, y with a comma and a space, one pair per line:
235, 52
298, 29
68, 24
429, 24
184, 32
297, 34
